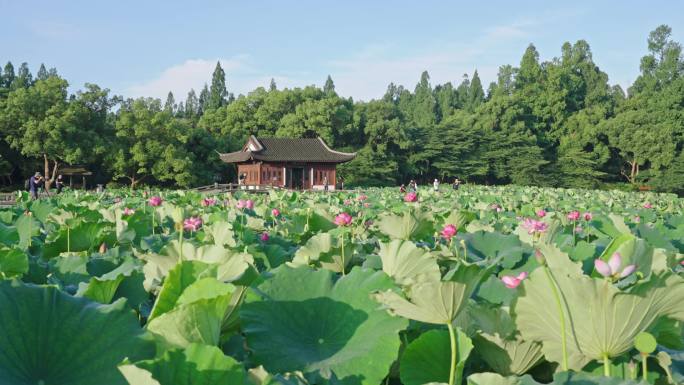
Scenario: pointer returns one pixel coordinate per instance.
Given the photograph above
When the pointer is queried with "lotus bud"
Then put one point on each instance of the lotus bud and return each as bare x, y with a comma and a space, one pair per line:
103, 248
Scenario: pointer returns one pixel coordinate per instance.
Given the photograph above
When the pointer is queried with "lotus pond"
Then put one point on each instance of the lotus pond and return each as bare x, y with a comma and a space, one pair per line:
480, 286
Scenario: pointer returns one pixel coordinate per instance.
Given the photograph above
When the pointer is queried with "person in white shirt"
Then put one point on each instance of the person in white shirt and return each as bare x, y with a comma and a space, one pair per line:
435, 184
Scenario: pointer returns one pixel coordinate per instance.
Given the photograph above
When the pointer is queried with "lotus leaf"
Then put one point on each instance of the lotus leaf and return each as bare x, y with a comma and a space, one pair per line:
303, 320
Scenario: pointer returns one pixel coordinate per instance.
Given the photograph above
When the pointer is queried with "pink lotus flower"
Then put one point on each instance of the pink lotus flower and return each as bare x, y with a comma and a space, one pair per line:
366, 204
648, 205
347, 202
192, 224
534, 226
264, 237
361, 197
612, 268
206, 202
637, 219
512, 282
587, 216
578, 229
411, 197
240, 204
496, 207
275, 212
128, 211
249, 204
343, 219
541, 213
449, 231
154, 201
573, 215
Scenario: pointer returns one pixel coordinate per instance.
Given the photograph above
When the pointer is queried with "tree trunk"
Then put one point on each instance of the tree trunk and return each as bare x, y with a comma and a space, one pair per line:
49, 179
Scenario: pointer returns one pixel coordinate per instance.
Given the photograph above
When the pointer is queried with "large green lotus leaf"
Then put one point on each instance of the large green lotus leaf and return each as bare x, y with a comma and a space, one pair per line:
13, 263
70, 268
434, 302
27, 228
103, 289
221, 233
497, 341
231, 266
179, 278
428, 358
324, 250
562, 378
84, 236
41, 209
600, 318
8, 235
301, 320
49, 337
508, 356
492, 245
196, 322
414, 225
459, 218
407, 264
196, 365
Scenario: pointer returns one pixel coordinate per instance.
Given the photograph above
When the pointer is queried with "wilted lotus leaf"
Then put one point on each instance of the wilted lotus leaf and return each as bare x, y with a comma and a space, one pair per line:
196, 365
301, 320
50, 337
406, 263
600, 319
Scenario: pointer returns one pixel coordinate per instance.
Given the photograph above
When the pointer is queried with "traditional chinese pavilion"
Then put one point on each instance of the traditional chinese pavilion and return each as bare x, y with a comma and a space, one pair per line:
305, 163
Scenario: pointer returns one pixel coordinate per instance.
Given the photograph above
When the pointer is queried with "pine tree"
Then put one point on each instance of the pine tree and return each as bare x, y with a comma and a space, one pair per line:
8, 75
218, 91
24, 79
272, 86
476, 93
463, 93
170, 105
42, 72
329, 87
203, 103
191, 104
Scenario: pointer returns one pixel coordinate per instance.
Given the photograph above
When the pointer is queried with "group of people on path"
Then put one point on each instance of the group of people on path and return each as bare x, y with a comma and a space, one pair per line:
413, 186
37, 182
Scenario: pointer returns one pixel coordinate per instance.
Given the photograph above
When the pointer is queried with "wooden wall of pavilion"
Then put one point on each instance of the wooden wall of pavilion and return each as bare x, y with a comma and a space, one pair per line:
268, 173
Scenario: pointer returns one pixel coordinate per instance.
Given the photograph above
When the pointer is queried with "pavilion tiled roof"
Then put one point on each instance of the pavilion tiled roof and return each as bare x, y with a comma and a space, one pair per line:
287, 150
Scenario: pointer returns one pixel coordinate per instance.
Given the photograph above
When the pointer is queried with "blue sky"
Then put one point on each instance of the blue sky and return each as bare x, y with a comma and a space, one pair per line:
146, 48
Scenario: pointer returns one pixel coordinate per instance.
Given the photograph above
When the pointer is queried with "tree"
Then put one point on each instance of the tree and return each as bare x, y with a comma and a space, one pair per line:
8, 75
150, 144
203, 102
24, 79
329, 87
272, 86
218, 91
192, 107
170, 104
41, 122
476, 93
42, 72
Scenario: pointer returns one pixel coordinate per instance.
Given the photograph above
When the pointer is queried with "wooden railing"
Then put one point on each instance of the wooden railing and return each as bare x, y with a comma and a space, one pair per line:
230, 187
8, 199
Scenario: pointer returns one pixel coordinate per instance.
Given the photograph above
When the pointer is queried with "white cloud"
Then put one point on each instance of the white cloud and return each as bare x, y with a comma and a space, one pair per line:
180, 78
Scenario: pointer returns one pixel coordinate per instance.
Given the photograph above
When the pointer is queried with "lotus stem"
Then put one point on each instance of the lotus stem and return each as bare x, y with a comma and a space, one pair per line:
180, 242
454, 352
561, 314
644, 366
606, 365
68, 240
343, 264
152, 221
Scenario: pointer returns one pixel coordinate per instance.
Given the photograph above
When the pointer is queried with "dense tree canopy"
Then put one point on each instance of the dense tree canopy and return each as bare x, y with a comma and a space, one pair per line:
557, 122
